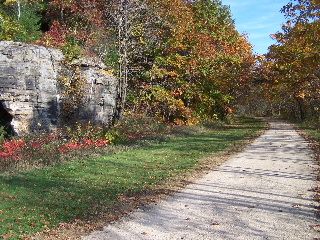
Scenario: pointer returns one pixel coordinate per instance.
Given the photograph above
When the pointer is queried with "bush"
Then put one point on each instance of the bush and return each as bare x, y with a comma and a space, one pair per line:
75, 142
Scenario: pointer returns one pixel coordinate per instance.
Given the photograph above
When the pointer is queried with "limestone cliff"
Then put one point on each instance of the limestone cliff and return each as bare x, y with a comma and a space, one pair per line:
30, 96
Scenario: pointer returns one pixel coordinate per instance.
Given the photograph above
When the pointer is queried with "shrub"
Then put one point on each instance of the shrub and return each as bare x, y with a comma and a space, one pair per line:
75, 142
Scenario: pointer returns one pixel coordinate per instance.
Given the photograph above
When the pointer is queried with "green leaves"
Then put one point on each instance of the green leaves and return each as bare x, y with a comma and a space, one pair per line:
20, 22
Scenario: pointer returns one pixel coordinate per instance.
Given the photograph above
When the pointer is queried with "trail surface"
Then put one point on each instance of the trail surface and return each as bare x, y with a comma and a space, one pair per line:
261, 193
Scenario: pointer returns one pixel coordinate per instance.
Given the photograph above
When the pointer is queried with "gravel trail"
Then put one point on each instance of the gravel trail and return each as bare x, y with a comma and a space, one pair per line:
261, 193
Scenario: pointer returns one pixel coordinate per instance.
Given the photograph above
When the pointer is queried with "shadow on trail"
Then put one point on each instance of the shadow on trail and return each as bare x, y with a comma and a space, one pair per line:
262, 193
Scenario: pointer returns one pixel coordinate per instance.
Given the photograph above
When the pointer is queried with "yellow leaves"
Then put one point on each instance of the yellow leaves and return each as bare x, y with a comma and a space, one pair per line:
138, 30
176, 104
9, 28
73, 90
316, 2
177, 61
171, 108
10, 2
108, 72
157, 72
63, 80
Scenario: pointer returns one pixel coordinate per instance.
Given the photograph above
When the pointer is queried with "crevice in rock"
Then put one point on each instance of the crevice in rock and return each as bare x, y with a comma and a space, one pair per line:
5, 120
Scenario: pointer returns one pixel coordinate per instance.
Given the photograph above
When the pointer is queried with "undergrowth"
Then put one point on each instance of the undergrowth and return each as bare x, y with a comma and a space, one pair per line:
81, 139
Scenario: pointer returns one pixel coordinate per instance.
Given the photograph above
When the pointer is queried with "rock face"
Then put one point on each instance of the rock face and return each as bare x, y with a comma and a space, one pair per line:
30, 94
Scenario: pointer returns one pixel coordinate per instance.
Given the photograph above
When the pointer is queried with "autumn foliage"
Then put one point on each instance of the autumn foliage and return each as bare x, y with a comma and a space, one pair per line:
196, 66
290, 72
182, 61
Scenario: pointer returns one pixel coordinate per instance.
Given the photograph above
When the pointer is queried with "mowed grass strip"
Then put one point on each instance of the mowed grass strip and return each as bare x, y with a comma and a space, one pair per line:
37, 200
312, 129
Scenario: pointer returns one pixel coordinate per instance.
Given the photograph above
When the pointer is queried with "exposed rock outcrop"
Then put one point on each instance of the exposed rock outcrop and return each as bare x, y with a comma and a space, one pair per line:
30, 92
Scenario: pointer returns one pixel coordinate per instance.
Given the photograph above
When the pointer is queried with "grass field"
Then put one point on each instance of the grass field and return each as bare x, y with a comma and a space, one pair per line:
100, 188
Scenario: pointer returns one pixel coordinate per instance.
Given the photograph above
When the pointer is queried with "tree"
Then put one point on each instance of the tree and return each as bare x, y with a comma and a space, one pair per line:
175, 59
296, 56
225, 58
188, 70
21, 20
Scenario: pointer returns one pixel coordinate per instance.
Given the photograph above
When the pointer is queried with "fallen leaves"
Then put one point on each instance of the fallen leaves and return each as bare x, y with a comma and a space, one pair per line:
315, 227
7, 236
17, 220
215, 223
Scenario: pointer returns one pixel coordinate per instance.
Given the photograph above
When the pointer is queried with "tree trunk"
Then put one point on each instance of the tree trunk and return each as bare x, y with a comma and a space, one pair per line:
302, 108
123, 58
19, 10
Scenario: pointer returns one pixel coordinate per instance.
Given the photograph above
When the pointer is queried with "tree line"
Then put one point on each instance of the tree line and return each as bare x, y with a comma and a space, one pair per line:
180, 60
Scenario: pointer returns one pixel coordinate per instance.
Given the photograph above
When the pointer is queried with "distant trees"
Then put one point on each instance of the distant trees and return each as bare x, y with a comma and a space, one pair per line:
180, 60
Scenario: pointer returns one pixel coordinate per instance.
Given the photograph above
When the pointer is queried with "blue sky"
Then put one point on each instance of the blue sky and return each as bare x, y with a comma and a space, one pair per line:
259, 19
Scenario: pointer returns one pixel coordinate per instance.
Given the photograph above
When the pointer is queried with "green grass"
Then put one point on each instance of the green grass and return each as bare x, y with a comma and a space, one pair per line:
36, 200
311, 128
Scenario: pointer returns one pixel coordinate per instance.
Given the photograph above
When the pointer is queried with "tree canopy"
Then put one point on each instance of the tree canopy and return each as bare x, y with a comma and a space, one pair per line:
175, 59
180, 60
295, 60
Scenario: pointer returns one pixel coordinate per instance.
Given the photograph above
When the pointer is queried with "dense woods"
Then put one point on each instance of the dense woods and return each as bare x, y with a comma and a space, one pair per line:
177, 60
181, 61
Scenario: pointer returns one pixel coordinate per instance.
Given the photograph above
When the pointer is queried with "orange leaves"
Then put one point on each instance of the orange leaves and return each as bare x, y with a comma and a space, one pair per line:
292, 64
189, 49
7, 236
80, 20
202, 58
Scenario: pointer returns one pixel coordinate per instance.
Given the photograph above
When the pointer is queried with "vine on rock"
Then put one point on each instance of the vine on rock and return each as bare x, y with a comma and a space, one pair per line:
73, 91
